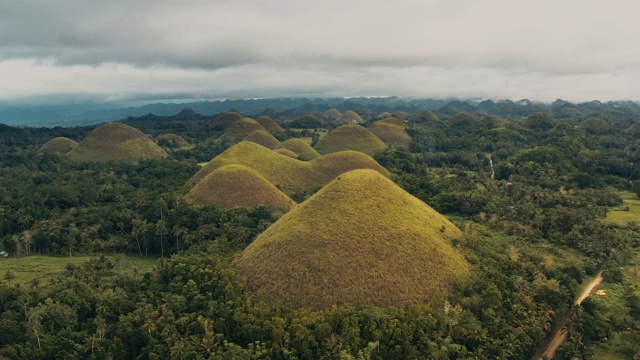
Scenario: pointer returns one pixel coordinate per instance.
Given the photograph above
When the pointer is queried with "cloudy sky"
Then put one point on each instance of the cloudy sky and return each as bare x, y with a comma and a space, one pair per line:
149, 50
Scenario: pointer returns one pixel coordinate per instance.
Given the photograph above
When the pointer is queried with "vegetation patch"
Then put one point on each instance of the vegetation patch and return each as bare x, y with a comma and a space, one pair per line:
381, 246
627, 213
59, 146
350, 137
173, 142
232, 186
116, 141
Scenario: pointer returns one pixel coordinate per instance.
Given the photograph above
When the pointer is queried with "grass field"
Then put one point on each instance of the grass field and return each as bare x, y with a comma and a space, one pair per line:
629, 211
44, 268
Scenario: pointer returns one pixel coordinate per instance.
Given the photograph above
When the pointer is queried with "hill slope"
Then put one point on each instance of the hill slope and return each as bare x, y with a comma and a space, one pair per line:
381, 246
350, 137
269, 124
232, 186
262, 137
116, 141
59, 145
300, 147
241, 128
392, 132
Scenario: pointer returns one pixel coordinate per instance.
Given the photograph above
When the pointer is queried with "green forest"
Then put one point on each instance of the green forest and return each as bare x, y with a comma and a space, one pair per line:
536, 205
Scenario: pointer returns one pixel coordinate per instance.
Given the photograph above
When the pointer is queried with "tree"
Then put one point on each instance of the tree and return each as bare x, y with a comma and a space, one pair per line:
9, 275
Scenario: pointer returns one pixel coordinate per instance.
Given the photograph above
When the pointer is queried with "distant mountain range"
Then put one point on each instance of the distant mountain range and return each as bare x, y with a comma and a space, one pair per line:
88, 114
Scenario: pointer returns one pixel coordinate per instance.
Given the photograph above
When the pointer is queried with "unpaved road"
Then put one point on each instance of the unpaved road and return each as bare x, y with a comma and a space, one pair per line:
559, 335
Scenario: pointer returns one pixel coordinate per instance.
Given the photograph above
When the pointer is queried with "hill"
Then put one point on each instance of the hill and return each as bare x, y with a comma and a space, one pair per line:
262, 137
332, 114
288, 174
233, 186
286, 152
173, 141
116, 141
59, 145
596, 126
350, 116
381, 247
269, 124
633, 129
227, 119
300, 147
392, 132
350, 137
241, 129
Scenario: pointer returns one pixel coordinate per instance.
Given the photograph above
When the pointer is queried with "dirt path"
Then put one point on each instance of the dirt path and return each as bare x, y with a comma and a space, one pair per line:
559, 336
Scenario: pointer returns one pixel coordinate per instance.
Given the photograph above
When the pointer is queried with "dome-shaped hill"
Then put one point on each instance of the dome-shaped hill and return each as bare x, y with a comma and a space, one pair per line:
173, 141
634, 129
333, 114
350, 116
288, 174
384, 115
426, 118
269, 124
392, 121
350, 137
391, 133
540, 121
262, 137
286, 152
227, 118
462, 121
300, 147
59, 146
403, 115
241, 129
116, 141
232, 186
596, 126
379, 247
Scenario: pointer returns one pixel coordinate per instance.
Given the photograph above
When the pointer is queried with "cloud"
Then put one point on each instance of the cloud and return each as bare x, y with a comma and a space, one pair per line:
492, 48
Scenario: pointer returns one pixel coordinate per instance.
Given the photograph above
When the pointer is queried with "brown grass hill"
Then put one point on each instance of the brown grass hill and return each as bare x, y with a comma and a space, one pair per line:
241, 129
288, 174
269, 124
300, 147
379, 247
332, 114
392, 132
286, 152
350, 137
402, 115
596, 126
634, 129
58, 146
426, 118
116, 141
227, 119
384, 115
232, 186
350, 116
173, 142
262, 137
463, 121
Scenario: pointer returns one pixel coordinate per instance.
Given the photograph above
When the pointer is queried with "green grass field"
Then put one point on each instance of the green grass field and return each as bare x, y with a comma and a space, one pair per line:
41, 267
629, 211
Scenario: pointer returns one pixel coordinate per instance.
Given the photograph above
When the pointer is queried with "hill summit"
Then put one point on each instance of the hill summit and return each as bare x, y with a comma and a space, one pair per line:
350, 137
381, 247
116, 141
60, 146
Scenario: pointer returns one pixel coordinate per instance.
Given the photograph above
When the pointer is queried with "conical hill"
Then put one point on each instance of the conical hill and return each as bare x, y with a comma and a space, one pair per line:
300, 147
288, 174
379, 247
269, 124
262, 137
350, 137
59, 145
173, 141
116, 141
350, 116
241, 129
392, 132
286, 152
232, 186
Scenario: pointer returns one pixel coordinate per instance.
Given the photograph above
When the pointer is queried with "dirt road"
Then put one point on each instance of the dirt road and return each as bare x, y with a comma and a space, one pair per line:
559, 336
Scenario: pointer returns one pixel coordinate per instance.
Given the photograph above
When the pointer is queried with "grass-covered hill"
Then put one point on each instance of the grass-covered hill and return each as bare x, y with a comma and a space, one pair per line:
392, 132
350, 116
381, 246
173, 142
288, 174
287, 152
332, 114
350, 137
633, 129
269, 124
300, 147
234, 185
241, 129
227, 119
116, 141
262, 137
60, 146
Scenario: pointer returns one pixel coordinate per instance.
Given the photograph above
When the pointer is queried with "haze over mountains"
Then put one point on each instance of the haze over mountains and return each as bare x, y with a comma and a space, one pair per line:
94, 113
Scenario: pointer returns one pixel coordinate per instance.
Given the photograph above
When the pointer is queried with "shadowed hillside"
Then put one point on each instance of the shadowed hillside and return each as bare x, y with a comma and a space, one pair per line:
232, 186
286, 152
59, 146
381, 246
350, 137
115, 141
288, 174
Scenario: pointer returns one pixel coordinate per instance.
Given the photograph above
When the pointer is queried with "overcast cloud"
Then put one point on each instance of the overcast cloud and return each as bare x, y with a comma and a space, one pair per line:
120, 50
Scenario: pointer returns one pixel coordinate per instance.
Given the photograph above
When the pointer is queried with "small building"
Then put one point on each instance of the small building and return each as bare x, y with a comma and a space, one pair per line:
4, 254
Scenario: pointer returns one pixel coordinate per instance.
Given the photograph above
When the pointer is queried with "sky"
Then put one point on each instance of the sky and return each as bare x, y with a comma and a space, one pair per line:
161, 50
